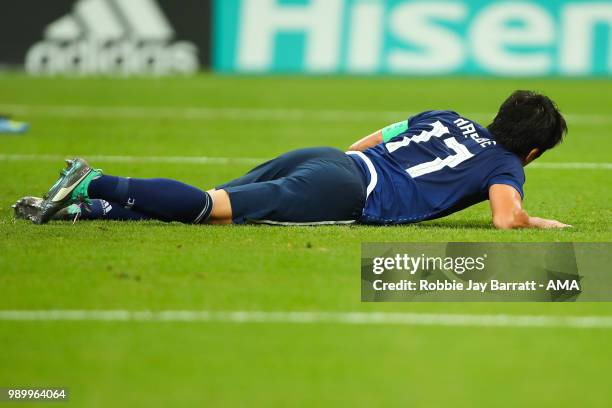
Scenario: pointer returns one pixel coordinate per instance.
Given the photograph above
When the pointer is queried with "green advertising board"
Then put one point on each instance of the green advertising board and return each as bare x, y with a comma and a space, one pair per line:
501, 38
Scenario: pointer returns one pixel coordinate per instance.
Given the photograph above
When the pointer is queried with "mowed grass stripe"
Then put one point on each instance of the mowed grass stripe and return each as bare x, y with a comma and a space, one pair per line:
243, 113
203, 160
408, 319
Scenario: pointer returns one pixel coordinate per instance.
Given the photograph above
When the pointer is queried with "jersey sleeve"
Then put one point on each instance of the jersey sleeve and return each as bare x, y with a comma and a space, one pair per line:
510, 173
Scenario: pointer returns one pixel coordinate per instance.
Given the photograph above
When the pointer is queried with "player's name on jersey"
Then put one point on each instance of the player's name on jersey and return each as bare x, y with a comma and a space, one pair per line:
469, 130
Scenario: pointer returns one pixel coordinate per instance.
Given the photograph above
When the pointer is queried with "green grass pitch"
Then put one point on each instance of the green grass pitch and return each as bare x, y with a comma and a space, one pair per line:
156, 266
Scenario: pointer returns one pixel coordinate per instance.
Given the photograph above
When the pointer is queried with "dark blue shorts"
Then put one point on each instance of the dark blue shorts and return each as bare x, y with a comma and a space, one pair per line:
309, 186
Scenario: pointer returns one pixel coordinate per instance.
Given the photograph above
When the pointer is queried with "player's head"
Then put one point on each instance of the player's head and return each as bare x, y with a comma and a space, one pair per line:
528, 124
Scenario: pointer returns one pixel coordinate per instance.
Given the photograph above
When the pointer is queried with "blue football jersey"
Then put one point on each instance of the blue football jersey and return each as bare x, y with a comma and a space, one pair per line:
436, 163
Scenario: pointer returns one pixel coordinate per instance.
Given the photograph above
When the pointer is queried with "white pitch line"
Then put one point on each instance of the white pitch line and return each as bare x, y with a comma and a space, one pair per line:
347, 318
137, 159
244, 160
236, 113
198, 113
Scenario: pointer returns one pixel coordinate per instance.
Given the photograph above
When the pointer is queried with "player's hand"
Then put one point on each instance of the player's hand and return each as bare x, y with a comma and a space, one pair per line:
557, 224
552, 224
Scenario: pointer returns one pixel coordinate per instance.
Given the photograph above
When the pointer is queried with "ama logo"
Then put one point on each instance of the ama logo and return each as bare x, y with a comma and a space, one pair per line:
112, 37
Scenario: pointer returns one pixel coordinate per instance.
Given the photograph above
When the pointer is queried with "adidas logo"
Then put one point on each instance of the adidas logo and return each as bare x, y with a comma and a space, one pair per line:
106, 207
123, 37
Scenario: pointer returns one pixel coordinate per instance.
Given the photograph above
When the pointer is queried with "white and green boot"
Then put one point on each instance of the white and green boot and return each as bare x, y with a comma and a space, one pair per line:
70, 188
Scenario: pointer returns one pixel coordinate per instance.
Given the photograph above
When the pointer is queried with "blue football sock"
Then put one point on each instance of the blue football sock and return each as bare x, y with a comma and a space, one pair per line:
107, 210
161, 199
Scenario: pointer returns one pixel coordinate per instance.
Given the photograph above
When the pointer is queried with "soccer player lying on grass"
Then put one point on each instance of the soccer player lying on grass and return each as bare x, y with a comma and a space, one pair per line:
429, 166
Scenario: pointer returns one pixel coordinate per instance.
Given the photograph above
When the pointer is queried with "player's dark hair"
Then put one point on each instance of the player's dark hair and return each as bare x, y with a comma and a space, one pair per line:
528, 120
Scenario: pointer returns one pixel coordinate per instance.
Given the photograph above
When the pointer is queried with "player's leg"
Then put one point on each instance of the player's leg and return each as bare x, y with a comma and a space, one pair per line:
329, 190
161, 199
313, 186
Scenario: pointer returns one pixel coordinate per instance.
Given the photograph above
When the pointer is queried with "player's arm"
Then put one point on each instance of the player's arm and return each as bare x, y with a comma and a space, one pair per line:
508, 213
372, 140
380, 136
